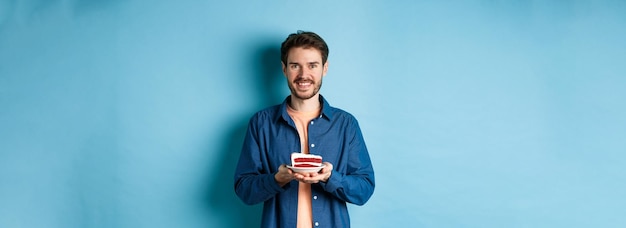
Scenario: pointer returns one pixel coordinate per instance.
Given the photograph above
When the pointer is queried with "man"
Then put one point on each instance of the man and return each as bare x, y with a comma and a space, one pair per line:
306, 123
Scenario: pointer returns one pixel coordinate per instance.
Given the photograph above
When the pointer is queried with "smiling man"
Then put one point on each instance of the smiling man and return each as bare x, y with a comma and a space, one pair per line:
305, 123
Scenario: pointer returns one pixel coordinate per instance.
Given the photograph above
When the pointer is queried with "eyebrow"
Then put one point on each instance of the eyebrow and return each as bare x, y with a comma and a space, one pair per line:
315, 62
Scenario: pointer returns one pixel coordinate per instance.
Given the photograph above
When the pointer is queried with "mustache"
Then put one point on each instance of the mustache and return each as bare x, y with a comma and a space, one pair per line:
300, 80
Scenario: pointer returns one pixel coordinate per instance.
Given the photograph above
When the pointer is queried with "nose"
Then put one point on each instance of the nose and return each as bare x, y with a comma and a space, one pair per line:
305, 70
300, 72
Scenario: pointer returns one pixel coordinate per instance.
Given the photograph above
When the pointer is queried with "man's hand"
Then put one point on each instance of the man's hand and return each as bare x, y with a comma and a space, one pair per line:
313, 178
284, 175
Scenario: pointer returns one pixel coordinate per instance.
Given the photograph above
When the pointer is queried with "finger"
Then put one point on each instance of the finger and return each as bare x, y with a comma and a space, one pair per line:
311, 180
283, 170
327, 167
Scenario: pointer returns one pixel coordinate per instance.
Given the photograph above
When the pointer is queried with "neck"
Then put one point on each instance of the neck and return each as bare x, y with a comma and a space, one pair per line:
308, 105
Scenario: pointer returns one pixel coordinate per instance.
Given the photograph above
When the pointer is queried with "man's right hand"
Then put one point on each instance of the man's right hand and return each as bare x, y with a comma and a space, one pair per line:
284, 175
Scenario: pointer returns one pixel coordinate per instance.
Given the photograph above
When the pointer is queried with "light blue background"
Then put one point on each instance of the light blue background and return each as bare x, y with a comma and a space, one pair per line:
130, 113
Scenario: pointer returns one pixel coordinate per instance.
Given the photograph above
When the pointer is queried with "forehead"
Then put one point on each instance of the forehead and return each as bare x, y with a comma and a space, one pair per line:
304, 55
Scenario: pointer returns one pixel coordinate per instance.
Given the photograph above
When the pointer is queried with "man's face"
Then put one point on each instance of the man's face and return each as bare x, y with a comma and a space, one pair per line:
304, 72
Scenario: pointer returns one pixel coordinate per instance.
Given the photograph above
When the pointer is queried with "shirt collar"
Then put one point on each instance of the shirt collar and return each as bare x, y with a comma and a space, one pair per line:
326, 109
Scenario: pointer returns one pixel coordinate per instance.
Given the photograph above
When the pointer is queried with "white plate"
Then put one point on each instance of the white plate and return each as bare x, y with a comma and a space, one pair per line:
306, 169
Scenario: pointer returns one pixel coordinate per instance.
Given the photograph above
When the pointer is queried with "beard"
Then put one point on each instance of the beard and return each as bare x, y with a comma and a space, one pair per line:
305, 95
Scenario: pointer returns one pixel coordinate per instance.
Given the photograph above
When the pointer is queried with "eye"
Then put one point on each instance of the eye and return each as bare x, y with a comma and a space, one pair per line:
313, 66
294, 66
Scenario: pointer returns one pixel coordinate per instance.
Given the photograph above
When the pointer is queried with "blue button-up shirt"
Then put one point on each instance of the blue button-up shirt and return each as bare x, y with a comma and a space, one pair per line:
272, 137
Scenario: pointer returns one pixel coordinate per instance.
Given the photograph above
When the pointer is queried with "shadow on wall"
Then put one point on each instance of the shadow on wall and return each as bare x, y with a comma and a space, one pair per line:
222, 199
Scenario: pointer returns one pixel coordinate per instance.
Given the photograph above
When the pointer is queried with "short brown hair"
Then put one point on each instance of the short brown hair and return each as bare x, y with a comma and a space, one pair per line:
303, 39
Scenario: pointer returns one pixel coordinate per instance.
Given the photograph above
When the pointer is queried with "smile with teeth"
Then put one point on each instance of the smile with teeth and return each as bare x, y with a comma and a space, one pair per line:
304, 83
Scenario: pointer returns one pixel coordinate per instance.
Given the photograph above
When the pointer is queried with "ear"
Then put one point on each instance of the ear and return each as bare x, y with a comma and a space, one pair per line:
325, 69
284, 69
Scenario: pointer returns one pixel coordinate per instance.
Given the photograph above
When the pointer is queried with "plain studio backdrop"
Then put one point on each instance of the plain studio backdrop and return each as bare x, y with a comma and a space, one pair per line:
131, 113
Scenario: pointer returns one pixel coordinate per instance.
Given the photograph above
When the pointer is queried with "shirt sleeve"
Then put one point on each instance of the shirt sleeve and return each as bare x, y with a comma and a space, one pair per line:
356, 184
252, 184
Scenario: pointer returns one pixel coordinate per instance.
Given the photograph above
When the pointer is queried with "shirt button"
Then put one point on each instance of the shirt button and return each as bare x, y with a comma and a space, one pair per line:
314, 197
312, 122
312, 144
317, 224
